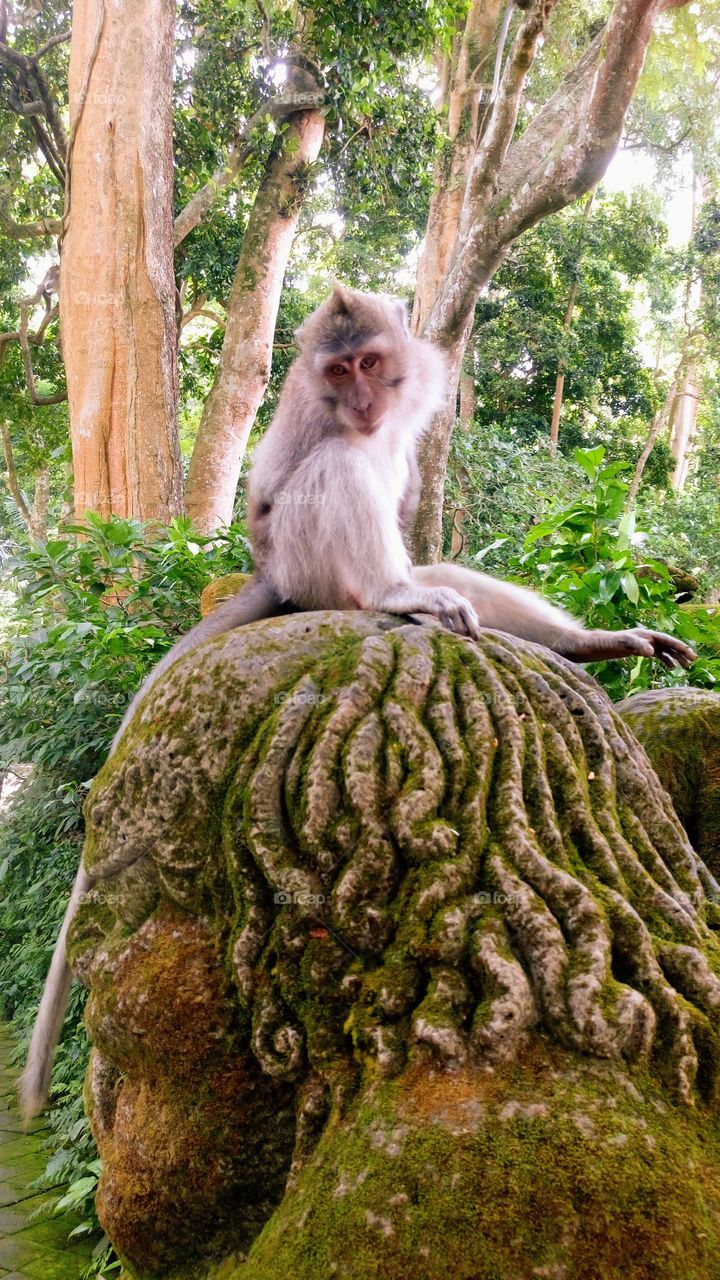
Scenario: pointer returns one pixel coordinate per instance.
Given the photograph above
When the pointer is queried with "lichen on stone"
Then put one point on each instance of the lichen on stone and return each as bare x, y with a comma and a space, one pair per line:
336, 853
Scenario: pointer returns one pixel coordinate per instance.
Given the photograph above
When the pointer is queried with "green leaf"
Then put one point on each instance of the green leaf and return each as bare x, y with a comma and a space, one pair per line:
630, 587
590, 459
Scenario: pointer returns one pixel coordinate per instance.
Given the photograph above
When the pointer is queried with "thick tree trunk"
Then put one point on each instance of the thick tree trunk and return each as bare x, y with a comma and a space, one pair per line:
117, 289
246, 356
513, 183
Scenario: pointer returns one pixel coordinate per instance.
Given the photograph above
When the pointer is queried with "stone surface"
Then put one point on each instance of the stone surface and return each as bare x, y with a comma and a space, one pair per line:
400, 964
221, 589
31, 1248
680, 730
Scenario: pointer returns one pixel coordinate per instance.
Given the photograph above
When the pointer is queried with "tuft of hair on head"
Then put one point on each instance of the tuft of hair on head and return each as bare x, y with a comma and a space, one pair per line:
341, 299
349, 319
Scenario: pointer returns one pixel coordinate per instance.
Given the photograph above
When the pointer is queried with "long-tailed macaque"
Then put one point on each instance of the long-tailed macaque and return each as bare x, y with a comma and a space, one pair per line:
332, 483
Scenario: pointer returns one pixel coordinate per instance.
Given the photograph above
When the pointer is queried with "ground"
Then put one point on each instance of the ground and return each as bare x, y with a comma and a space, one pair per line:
31, 1247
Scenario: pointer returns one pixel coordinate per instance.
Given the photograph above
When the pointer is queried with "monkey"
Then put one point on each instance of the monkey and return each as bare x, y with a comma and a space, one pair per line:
333, 482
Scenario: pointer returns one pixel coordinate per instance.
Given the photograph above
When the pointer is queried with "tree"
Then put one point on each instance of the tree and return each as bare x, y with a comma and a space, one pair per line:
514, 181
117, 287
244, 368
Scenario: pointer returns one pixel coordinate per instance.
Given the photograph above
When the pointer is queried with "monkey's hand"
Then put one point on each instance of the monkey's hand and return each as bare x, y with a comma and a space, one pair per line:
450, 608
453, 610
596, 646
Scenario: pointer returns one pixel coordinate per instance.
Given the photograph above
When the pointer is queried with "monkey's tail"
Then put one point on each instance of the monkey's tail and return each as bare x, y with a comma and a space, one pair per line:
34, 1083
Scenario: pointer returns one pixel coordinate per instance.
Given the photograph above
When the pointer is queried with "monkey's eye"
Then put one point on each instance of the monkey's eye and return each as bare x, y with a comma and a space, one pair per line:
368, 362
337, 370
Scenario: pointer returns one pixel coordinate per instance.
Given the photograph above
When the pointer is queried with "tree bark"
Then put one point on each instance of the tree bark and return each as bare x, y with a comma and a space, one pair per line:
117, 289
245, 361
512, 184
659, 424
467, 398
469, 69
684, 426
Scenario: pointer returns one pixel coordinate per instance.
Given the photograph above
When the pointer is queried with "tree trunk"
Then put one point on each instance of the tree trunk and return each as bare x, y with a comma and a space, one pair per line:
513, 183
41, 504
244, 367
471, 67
467, 398
659, 424
684, 426
562, 363
117, 289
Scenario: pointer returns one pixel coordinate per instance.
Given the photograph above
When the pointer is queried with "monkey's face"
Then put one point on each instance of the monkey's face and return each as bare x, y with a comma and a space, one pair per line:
355, 347
360, 387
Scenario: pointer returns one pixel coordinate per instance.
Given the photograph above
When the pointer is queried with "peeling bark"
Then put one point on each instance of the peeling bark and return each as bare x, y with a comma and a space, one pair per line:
117, 293
244, 367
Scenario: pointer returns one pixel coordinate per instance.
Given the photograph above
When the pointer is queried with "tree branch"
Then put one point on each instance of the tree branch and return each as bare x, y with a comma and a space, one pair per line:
12, 479
501, 125
199, 206
29, 230
561, 154
60, 396
60, 38
24, 108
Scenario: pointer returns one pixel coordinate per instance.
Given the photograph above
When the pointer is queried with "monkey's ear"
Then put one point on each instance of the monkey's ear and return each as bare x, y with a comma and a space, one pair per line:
340, 299
402, 309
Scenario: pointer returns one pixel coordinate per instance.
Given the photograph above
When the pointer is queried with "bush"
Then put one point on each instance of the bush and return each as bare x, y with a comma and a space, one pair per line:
588, 556
95, 609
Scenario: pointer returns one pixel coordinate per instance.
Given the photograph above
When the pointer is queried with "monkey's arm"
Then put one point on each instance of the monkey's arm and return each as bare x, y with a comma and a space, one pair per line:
411, 494
506, 607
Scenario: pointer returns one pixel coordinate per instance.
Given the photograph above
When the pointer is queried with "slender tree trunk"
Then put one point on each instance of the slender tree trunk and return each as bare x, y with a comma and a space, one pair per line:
567, 323
33, 517
684, 426
246, 356
117, 289
41, 504
467, 398
659, 425
515, 181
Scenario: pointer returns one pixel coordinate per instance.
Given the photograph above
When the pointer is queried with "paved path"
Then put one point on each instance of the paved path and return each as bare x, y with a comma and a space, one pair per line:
29, 1250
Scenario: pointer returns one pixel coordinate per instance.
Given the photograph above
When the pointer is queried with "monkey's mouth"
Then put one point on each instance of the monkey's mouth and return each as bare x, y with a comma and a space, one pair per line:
367, 426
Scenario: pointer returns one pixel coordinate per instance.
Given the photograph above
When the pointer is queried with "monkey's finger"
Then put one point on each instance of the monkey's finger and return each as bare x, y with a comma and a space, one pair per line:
670, 646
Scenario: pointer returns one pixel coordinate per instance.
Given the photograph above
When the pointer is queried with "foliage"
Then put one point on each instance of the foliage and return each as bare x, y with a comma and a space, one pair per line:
587, 556
95, 610
520, 339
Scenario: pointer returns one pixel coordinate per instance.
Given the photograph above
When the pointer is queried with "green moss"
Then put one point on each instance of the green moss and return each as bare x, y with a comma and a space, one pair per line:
548, 1171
